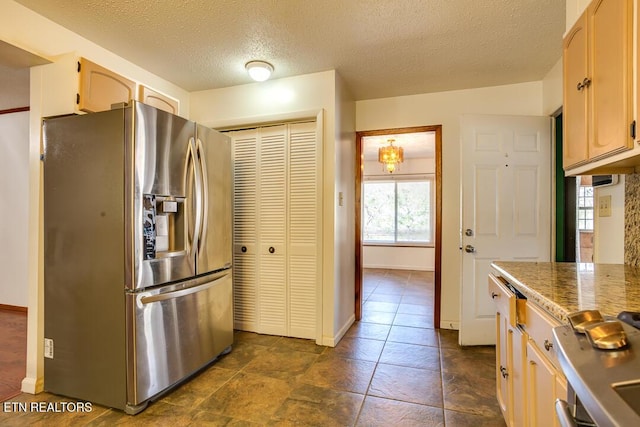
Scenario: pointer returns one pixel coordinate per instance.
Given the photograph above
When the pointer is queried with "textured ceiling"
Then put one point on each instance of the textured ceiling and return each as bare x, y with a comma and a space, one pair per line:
381, 48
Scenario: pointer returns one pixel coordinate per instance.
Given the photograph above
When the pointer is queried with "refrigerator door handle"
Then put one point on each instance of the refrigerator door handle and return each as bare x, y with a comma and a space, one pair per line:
182, 292
204, 188
197, 195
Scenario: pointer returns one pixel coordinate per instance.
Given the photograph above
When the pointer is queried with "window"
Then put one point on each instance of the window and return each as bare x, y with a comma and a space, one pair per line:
398, 212
585, 208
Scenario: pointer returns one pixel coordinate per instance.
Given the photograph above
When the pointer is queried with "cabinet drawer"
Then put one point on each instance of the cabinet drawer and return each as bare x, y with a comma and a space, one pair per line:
539, 327
505, 299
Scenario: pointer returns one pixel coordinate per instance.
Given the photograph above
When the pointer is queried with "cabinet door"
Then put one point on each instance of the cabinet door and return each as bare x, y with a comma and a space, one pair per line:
502, 351
304, 225
245, 254
575, 57
157, 100
544, 386
100, 88
272, 221
611, 60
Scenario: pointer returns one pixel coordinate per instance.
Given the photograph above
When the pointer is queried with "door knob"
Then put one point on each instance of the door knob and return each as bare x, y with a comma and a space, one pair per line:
272, 250
470, 249
468, 232
243, 249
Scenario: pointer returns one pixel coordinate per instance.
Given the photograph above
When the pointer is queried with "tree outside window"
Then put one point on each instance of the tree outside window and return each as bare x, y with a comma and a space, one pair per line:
397, 212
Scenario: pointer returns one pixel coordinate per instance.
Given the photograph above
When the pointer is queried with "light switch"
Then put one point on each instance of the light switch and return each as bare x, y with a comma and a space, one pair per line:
604, 206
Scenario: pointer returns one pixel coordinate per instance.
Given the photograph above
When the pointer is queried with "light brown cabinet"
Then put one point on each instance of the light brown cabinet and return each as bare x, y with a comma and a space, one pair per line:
158, 100
598, 83
510, 347
100, 88
528, 377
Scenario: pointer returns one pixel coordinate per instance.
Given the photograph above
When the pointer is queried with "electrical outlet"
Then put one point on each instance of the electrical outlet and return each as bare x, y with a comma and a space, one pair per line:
48, 348
604, 206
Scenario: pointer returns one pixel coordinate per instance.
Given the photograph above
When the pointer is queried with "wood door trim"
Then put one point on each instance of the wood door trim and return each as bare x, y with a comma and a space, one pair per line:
358, 214
14, 110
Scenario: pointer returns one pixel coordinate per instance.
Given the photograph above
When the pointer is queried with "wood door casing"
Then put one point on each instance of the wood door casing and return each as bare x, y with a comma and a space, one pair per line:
358, 214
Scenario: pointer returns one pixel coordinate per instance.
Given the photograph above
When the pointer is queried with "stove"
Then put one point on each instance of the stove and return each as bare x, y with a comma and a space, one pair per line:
603, 379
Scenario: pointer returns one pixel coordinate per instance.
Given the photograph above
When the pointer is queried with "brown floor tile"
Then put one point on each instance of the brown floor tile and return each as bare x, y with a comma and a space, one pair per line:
378, 317
198, 388
411, 335
462, 419
374, 331
476, 361
422, 310
309, 405
407, 384
248, 397
308, 346
384, 298
253, 338
448, 338
385, 307
415, 320
241, 354
356, 348
411, 355
281, 363
470, 393
340, 374
385, 412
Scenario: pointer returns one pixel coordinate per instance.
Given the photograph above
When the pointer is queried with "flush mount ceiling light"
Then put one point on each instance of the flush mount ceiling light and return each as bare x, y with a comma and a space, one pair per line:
390, 156
259, 70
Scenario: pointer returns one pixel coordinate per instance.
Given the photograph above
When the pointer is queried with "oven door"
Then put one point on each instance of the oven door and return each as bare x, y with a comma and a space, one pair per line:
572, 413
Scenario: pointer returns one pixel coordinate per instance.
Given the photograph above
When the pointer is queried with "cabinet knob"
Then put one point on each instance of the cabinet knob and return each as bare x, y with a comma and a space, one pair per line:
584, 84
243, 249
547, 345
272, 250
494, 295
504, 372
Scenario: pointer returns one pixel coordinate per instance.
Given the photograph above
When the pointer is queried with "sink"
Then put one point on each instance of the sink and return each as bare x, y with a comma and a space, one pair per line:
629, 391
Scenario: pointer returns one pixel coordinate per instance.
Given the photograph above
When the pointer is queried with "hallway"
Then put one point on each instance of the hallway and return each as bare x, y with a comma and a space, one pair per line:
392, 368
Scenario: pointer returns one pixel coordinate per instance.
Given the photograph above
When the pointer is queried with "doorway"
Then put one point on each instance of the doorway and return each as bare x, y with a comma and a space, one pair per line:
390, 238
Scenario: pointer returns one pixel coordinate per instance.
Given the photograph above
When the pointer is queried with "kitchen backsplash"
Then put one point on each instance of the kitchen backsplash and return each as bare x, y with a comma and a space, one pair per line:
632, 219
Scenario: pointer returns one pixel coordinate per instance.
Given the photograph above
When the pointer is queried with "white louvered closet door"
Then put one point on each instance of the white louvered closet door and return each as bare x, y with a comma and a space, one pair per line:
272, 200
245, 231
303, 229
277, 230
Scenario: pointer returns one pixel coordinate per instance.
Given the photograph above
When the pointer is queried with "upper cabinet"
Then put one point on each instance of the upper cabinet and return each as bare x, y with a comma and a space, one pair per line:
158, 100
598, 85
100, 88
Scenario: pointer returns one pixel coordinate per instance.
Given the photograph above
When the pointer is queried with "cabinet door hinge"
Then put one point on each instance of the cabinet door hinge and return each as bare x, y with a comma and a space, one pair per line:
78, 98
633, 129
79, 66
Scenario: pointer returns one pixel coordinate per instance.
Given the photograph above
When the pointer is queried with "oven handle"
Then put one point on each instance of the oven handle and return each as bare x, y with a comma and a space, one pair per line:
563, 412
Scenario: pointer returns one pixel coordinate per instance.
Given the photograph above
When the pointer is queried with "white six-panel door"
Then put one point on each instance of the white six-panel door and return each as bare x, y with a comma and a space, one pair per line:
276, 229
506, 208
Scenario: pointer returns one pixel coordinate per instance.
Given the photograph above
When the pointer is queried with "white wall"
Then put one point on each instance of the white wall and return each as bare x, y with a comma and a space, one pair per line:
297, 97
29, 31
394, 257
608, 232
445, 108
552, 89
14, 207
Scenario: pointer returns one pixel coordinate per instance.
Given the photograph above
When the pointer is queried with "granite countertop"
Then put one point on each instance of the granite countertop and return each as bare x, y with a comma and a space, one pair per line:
561, 287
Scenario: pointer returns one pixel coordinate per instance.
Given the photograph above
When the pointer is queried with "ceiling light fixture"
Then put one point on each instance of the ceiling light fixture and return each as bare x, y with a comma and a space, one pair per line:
259, 70
390, 156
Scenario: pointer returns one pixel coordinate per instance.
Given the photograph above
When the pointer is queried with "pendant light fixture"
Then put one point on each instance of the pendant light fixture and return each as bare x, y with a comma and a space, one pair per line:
390, 156
259, 70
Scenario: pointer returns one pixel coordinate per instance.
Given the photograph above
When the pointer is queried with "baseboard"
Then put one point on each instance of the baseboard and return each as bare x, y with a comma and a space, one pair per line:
13, 308
449, 324
398, 267
334, 340
32, 385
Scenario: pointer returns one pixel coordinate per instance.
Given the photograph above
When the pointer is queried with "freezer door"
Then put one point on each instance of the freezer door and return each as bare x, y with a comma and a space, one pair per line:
162, 178
174, 331
215, 241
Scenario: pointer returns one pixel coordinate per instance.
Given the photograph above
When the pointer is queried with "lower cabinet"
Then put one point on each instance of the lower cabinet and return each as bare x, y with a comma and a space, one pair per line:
528, 377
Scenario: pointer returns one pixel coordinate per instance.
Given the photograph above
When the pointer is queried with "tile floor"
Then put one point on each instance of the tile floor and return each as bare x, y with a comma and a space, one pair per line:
392, 368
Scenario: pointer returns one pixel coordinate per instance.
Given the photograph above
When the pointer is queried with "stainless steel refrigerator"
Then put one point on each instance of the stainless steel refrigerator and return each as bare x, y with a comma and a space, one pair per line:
137, 253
